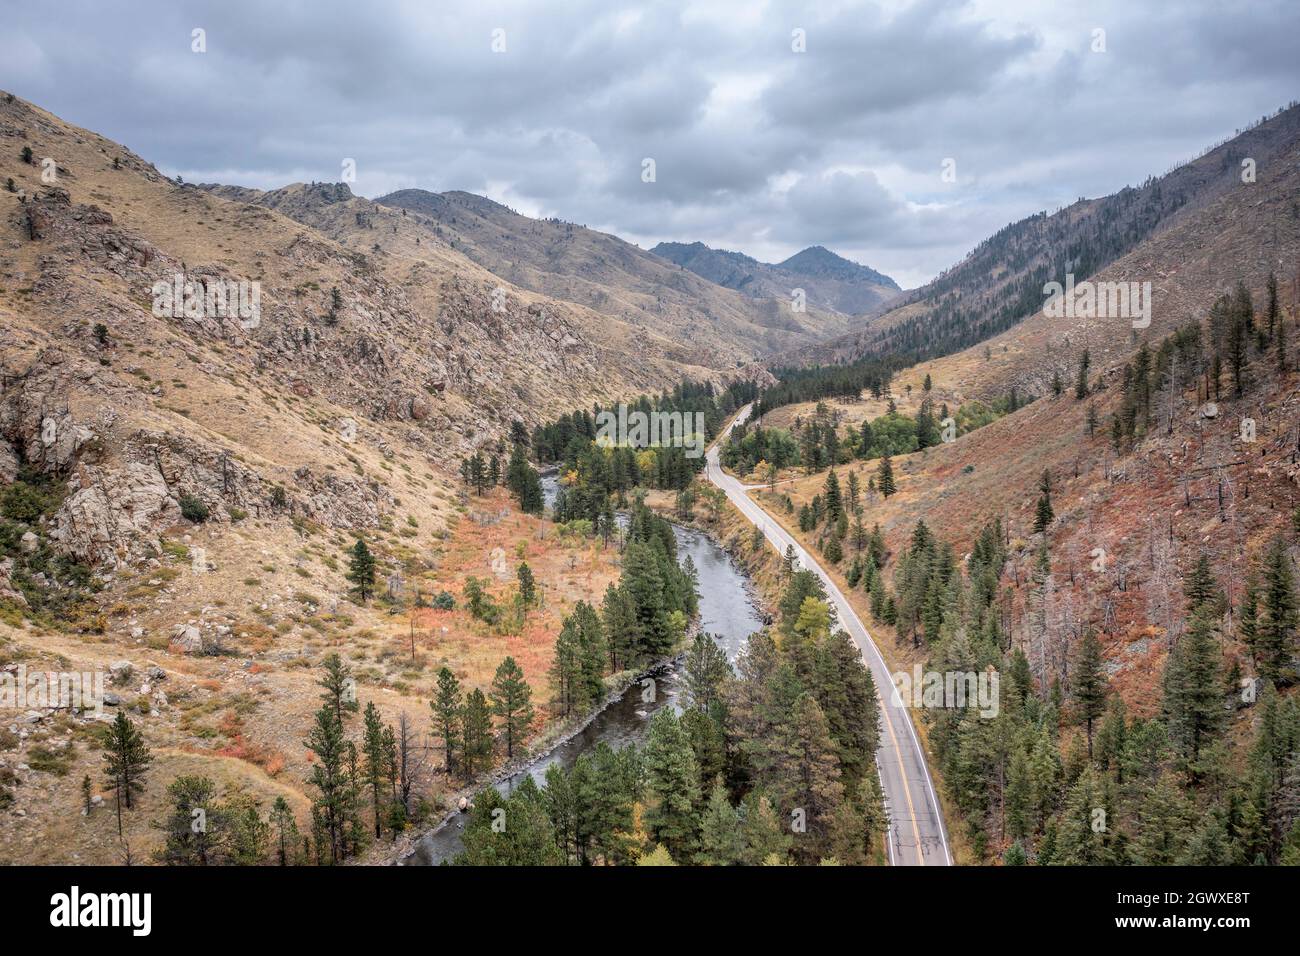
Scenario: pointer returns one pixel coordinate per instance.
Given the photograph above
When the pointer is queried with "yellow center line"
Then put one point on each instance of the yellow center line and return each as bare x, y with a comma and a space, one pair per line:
907, 791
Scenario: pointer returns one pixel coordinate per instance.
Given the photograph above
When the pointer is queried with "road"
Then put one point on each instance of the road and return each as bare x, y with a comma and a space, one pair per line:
917, 836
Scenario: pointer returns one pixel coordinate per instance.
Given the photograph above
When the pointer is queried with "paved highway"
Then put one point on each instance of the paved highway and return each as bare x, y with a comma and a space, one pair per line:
917, 836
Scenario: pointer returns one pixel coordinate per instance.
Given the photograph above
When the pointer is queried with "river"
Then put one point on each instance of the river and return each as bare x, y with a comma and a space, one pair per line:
726, 612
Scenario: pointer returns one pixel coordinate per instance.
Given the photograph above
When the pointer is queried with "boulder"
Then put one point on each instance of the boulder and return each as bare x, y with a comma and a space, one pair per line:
186, 639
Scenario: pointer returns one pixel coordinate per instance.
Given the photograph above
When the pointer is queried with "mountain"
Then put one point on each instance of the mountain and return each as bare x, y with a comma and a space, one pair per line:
829, 281
1154, 510
1000, 283
602, 272
183, 479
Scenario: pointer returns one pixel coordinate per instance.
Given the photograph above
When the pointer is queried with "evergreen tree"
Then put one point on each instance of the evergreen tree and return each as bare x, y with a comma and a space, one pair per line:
1193, 689
286, 830
447, 707
476, 728
527, 586
195, 827
361, 570
329, 775
1278, 617
831, 497
1088, 683
1086, 834
524, 482
1200, 587
376, 759
1163, 824
1081, 382
767, 838
885, 477
706, 670
127, 760
340, 688
1043, 514
808, 776
672, 784
512, 702
721, 841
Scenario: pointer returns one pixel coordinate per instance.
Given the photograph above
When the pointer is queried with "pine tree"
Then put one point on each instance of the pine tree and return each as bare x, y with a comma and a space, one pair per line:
1088, 683
1193, 689
1081, 841
721, 841
672, 784
447, 707
361, 570
808, 775
524, 482
512, 702
527, 587
286, 830
1163, 824
831, 497
195, 827
329, 775
476, 728
706, 670
1081, 382
885, 477
1200, 587
1274, 643
1044, 514
767, 838
566, 669
340, 688
1282, 361
127, 760
376, 758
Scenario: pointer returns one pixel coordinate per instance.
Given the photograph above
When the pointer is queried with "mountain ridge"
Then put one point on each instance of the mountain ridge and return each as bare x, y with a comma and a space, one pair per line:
829, 280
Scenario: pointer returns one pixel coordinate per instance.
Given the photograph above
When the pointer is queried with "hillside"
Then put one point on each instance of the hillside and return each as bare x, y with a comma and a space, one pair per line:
575, 264
182, 484
1001, 281
829, 281
1167, 481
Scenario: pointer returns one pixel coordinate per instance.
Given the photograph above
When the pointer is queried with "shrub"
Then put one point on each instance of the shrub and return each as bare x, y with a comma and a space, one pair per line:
193, 509
444, 601
26, 502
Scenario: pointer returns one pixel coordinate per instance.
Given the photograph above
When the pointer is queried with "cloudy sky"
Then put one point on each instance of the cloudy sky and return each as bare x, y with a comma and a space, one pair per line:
757, 147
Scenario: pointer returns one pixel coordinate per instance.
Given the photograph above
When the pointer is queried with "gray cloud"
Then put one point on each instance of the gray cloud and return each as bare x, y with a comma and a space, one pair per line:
758, 148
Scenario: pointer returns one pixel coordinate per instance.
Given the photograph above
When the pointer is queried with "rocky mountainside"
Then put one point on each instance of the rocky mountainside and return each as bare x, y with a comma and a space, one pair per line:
1001, 282
572, 263
829, 281
376, 342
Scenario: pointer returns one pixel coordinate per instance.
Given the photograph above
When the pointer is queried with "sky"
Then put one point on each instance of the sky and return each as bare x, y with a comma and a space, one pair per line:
897, 134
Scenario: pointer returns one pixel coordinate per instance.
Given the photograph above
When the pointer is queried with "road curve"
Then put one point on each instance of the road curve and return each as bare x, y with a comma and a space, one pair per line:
917, 836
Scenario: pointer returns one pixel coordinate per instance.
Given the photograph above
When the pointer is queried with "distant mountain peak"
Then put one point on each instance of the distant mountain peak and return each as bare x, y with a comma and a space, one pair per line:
829, 280
820, 261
